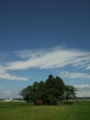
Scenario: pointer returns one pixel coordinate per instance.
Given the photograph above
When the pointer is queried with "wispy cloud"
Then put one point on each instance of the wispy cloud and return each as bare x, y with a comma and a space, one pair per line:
3, 55
4, 94
51, 58
47, 59
4, 75
82, 86
83, 90
74, 75
9, 94
88, 67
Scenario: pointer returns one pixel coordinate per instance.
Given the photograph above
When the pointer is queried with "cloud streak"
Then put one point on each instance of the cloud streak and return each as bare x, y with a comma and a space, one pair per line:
57, 57
51, 58
82, 86
88, 67
4, 75
83, 90
9, 94
71, 75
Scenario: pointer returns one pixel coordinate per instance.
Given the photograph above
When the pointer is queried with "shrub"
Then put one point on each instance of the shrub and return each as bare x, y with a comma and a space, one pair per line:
68, 102
54, 101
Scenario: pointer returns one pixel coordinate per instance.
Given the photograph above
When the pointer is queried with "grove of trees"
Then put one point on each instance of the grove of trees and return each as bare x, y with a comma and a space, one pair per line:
49, 92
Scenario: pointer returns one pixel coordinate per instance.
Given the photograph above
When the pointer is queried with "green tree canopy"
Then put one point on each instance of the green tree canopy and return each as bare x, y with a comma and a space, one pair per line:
69, 92
48, 91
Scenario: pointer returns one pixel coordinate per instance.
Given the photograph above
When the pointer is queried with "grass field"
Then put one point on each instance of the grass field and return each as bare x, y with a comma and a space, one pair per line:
22, 111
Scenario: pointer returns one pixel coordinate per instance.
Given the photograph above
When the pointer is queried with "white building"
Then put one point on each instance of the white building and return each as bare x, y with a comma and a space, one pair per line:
8, 100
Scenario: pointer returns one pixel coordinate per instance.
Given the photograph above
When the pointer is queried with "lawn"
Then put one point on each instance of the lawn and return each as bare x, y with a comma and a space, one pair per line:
22, 111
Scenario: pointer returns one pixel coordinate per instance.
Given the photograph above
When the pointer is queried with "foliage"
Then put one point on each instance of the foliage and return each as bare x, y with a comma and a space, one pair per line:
68, 102
69, 92
49, 91
26, 93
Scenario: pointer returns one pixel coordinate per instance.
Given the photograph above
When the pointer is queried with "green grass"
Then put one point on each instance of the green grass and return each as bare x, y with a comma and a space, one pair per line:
22, 111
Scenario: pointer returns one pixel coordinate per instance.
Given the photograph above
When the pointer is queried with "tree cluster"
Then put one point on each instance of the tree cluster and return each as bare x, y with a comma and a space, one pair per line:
48, 92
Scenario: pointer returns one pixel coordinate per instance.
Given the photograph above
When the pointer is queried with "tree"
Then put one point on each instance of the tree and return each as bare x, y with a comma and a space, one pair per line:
59, 87
26, 93
49, 91
69, 92
55, 88
38, 91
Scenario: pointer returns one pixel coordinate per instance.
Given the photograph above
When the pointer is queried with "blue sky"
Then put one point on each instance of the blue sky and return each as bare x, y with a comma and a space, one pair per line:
43, 37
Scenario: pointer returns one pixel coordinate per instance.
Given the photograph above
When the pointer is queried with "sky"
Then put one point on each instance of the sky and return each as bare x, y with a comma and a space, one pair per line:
43, 37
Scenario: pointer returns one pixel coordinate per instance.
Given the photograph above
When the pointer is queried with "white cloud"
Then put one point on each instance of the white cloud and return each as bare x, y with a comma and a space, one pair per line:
47, 59
51, 58
67, 74
88, 67
8, 94
30, 53
83, 90
83, 93
3, 55
4, 75
4, 94
82, 86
